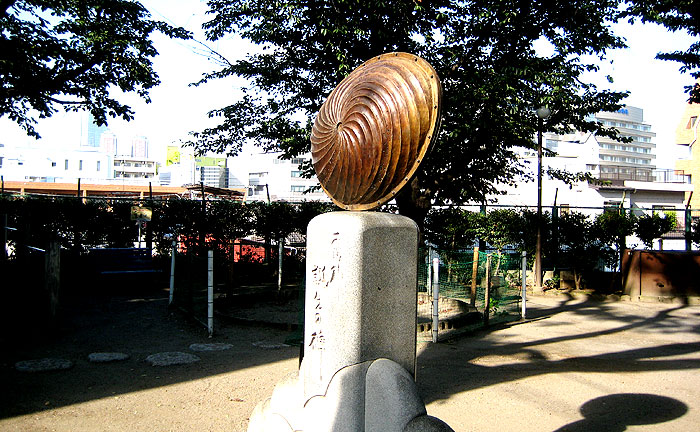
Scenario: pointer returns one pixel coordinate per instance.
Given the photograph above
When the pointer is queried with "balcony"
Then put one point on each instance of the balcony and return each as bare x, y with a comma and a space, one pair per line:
623, 173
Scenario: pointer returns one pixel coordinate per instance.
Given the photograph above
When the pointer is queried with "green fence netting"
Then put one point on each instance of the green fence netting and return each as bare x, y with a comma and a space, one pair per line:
457, 271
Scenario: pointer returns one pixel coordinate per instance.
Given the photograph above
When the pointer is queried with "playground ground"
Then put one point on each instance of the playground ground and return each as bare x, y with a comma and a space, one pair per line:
574, 365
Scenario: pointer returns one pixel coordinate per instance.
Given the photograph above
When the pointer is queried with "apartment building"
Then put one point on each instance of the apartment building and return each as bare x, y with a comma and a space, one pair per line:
687, 139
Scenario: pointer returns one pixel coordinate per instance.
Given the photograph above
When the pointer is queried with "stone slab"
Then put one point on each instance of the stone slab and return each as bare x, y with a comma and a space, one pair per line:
171, 359
43, 365
106, 357
269, 345
217, 346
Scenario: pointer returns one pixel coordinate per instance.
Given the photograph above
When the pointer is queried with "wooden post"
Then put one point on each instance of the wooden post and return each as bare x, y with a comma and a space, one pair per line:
52, 279
475, 273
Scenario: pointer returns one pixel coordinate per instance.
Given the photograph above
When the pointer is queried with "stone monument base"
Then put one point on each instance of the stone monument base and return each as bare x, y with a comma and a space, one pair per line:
359, 332
381, 389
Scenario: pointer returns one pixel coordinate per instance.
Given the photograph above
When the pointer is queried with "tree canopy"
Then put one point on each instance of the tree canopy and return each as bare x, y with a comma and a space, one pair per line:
74, 54
675, 15
483, 50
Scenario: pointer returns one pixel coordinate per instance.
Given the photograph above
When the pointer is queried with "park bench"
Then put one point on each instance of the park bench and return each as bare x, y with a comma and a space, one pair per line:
112, 263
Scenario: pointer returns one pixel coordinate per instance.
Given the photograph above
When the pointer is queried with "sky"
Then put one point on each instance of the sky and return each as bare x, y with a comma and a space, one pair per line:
177, 108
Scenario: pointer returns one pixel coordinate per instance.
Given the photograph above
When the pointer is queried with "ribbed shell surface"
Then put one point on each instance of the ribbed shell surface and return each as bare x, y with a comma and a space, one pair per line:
374, 130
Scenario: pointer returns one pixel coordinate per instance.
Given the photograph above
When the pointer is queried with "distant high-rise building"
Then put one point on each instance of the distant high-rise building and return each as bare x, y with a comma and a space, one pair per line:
215, 176
615, 160
139, 147
627, 159
91, 133
108, 143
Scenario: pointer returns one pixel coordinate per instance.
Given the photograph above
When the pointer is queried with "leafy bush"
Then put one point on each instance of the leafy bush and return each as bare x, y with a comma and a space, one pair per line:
82, 224
649, 228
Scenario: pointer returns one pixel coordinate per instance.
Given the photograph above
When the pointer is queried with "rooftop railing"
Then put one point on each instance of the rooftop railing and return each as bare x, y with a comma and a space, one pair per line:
643, 174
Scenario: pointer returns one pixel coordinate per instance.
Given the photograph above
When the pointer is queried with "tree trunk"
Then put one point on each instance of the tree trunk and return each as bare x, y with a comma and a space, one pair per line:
578, 277
414, 204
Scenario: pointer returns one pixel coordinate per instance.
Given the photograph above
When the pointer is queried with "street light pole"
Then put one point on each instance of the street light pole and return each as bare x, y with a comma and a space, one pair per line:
542, 114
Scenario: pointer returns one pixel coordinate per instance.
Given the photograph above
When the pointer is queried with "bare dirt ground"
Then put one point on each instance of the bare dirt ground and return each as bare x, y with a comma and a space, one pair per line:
577, 365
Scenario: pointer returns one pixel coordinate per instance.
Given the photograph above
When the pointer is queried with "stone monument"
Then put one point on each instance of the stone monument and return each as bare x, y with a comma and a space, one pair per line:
358, 369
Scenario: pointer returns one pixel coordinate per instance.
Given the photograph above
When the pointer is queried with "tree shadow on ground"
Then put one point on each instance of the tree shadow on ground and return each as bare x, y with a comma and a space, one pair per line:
143, 326
138, 326
613, 413
529, 361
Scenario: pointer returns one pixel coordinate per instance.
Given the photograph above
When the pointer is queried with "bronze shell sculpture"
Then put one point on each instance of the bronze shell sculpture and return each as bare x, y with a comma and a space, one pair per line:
374, 130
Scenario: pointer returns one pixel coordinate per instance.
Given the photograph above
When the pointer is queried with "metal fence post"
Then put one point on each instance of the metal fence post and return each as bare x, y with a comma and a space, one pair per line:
173, 252
436, 298
523, 312
210, 292
487, 291
52, 279
429, 273
280, 254
688, 229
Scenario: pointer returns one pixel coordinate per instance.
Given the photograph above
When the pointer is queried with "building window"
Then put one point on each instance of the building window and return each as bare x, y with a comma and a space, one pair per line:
564, 208
53, 164
66, 165
612, 206
257, 189
298, 161
80, 165
98, 165
297, 188
692, 121
296, 173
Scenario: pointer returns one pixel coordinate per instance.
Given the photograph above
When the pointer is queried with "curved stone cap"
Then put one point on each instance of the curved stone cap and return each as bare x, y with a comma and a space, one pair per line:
375, 128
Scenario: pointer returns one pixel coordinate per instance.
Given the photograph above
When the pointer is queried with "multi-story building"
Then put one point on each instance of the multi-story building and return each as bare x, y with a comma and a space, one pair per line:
108, 143
47, 164
276, 179
687, 134
134, 170
179, 167
631, 181
215, 176
90, 132
212, 171
627, 160
139, 147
